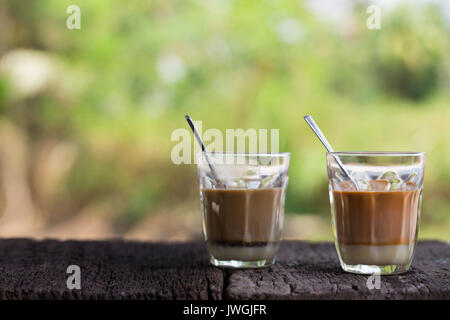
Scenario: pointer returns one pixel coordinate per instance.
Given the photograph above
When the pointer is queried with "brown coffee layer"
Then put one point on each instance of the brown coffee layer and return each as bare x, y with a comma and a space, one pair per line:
242, 215
376, 217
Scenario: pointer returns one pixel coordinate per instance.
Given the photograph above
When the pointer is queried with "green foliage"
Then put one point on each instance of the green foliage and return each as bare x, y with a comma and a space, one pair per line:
234, 66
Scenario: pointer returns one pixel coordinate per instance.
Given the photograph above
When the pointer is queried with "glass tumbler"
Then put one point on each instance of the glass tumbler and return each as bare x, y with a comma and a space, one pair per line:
242, 201
375, 209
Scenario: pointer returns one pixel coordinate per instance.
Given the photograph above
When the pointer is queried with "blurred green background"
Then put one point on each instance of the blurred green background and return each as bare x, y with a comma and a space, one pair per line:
86, 115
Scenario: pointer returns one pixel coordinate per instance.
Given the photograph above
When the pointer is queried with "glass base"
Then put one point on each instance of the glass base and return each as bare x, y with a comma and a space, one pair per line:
238, 264
381, 270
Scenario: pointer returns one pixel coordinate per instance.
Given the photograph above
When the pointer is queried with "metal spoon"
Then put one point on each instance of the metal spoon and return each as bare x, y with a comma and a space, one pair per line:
309, 120
202, 145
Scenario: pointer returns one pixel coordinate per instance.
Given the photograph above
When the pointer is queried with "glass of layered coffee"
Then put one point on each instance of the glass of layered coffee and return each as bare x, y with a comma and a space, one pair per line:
243, 212
375, 209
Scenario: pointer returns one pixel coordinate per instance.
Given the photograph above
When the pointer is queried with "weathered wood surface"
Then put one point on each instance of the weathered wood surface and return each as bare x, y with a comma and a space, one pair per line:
136, 270
109, 270
312, 271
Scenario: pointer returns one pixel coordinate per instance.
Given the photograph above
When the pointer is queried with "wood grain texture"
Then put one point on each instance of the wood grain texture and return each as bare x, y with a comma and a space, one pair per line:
109, 270
136, 270
312, 271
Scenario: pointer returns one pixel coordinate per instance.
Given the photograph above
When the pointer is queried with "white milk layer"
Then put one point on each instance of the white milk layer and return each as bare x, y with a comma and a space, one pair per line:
256, 253
376, 255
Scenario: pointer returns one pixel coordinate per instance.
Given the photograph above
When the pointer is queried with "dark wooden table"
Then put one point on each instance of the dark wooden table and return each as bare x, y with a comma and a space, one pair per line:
137, 270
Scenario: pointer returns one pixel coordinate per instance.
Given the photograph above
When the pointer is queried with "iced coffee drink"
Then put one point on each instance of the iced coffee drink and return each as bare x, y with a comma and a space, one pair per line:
243, 224
243, 215
376, 210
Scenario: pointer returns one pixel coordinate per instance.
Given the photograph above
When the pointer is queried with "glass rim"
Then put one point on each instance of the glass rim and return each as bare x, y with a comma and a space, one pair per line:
249, 154
377, 153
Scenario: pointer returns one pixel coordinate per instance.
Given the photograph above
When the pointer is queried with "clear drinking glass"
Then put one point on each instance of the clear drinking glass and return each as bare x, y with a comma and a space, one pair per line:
376, 221
242, 216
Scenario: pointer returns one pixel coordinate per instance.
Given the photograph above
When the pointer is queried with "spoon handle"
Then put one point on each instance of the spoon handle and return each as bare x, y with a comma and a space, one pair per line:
208, 159
309, 120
